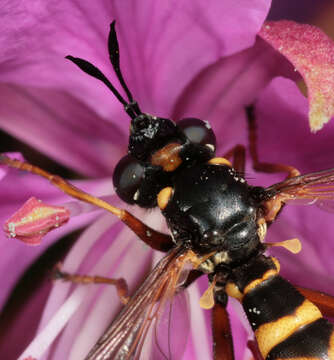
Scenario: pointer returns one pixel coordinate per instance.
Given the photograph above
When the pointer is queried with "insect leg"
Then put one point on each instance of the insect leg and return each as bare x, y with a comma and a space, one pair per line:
239, 156
261, 166
252, 346
121, 285
222, 336
153, 238
323, 301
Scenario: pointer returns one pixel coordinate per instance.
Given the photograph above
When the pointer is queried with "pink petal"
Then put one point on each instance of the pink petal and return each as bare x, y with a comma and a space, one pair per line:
162, 40
17, 333
282, 108
201, 342
169, 42
5, 169
221, 91
311, 52
62, 127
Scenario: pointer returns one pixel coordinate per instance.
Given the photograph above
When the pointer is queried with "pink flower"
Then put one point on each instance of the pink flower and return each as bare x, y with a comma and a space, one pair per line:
179, 59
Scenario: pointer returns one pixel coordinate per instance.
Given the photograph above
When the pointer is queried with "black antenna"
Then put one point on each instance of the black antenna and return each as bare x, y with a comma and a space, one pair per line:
113, 48
93, 71
132, 107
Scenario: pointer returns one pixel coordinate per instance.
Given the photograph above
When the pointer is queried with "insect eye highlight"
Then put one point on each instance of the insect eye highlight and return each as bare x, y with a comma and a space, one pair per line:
127, 178
198, 132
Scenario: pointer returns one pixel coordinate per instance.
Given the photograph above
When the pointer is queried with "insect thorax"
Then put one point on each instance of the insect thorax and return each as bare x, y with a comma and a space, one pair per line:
212, 208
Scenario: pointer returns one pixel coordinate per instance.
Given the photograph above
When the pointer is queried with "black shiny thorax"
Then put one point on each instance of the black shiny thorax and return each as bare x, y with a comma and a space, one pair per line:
212, 209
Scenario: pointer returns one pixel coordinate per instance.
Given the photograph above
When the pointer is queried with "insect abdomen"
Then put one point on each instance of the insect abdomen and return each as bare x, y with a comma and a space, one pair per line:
285, 323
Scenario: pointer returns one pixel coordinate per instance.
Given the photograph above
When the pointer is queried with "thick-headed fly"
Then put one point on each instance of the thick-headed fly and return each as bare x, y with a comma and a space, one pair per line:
218, 224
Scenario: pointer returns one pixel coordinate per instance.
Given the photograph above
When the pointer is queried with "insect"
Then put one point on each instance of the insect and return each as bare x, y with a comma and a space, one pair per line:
217, 223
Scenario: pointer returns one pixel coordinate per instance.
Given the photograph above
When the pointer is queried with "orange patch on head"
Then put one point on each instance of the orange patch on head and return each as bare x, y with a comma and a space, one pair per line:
164, 196
168, 157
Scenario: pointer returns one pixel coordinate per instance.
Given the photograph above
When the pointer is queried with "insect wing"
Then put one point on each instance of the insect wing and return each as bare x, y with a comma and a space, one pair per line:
314, 188
124, 339
170, 335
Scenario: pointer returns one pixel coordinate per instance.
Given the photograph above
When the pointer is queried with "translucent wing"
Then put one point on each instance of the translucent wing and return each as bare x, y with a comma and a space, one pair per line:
314, 188
124, 339
170, 335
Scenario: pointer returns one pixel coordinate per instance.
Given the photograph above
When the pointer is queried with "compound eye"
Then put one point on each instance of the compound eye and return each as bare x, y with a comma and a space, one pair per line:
198, 132
127, 178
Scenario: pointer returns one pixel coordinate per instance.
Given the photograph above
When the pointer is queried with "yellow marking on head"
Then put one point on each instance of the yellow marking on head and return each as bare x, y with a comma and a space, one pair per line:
271, 334
164, 196
219, 161
253, 284
168, 157
233, 291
